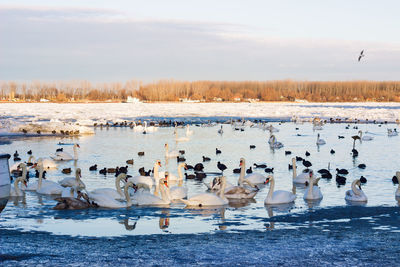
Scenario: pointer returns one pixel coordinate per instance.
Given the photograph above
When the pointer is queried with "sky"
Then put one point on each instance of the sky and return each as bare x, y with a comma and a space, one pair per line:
105, 41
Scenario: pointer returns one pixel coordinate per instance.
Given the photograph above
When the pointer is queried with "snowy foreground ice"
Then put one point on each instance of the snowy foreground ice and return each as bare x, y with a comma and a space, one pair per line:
341, 236
86, 114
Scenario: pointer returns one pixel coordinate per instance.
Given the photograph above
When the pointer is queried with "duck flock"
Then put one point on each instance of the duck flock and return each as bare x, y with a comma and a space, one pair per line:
136, 186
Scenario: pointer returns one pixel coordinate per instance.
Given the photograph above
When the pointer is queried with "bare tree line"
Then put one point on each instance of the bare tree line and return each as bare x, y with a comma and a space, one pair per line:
172, 90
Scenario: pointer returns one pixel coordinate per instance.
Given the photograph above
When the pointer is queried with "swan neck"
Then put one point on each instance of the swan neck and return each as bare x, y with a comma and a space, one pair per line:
126, 192
75, 153
271, 188
222, 190
40, 177
310, 187
24, 171
242, 170
354, 188
180, 166
294, 168
16, 185
118, 185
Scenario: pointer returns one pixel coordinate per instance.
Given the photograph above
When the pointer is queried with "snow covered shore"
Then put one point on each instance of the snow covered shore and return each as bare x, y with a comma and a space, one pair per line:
86, 114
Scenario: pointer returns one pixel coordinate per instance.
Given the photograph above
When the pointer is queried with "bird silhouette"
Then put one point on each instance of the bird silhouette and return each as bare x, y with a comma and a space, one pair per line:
361, 55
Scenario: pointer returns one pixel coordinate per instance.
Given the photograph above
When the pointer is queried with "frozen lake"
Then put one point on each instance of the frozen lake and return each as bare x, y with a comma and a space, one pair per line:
112, 147
299, 224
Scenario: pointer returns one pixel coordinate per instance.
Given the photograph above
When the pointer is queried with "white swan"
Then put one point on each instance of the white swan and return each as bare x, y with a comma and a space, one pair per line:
65, 156
170, 154
251, 178
303, 177
113, 193
138, 128
273, 143
15, 190
279, 196
320, 141
180, 139
47, 163
356, 194
215, 184
73, 182
313, 191
397, 194
178, 191
240, 191
105, 201
188, 131
150, 129
221, 130
365, 137
147, 180
145, 198
48, 187
34, 185
209, 199
391, 132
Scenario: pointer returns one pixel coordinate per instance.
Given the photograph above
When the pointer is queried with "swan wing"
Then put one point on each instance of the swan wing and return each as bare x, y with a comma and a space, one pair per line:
112, 193
106, 201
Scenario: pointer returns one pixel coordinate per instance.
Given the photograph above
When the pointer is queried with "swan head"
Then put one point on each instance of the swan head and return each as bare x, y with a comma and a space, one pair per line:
158, 162
164, 181
242, 161
269, 179
78, 172
21, 165
77, 145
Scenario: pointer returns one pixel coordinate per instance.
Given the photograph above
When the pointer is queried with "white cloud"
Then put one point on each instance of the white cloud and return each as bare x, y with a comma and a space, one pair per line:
99, 44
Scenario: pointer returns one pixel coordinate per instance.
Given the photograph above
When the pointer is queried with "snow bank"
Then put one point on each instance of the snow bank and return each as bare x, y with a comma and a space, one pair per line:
87, 114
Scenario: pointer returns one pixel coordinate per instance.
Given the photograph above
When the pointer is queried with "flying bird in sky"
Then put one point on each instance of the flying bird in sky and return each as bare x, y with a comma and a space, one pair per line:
361, 55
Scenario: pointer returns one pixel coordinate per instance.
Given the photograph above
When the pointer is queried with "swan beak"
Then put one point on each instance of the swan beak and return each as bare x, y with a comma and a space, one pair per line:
25, 183
166, 183
78, 145
266, 181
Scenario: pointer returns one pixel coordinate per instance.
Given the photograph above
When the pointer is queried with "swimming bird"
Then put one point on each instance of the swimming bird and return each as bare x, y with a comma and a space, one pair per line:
307, 163
206, 159
332, 151
340, 180
313, 191
269, 170
217, 151
279, 196
307, 154
356, 194
320, 141
93, 168
221, 166
273, 143
262, 166
362, 166
221, 130
209, 199
252, 146
342, 171
363, 180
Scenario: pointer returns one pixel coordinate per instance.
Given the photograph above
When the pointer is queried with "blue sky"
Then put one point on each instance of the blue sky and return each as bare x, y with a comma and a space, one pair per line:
198, 40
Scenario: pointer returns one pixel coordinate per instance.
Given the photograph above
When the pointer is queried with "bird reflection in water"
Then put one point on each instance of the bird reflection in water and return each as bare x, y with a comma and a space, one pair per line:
19, 201
284, 208
163, 222
129, 227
